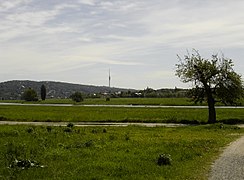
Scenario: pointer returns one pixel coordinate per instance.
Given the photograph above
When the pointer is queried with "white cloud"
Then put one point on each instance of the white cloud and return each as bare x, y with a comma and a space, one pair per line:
32, 18
88, 2
127, 35
7, 5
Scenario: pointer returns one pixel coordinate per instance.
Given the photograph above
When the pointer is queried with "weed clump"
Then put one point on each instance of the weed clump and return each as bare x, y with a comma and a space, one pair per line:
222, 126
164, 159
2, 118
49, 128
29, 130
94, 131
70, 125
127, 138
68, 130
89, 143
24, 164
104, 130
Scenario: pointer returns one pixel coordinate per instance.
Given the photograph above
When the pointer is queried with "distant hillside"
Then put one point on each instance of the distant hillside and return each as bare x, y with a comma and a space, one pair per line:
14, 89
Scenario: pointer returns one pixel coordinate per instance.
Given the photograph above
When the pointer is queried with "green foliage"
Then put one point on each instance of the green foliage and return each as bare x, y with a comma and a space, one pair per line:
164, 159
68, 130
77, 97
213, 79
98, 156
70, 125
43, 92
29, 130
30, 95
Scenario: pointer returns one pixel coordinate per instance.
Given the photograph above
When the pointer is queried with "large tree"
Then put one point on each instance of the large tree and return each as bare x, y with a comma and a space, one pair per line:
43, 92
30, 95
213, 80
77, 97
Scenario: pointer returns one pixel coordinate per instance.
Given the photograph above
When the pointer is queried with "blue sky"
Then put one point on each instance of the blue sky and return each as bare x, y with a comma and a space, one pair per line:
79, 40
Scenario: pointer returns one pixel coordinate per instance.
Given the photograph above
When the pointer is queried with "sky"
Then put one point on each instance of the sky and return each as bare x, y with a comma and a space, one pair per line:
78, 41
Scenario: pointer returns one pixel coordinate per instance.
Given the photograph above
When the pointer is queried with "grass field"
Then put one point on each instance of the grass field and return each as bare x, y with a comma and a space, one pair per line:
122, 101
111, 153
116, 114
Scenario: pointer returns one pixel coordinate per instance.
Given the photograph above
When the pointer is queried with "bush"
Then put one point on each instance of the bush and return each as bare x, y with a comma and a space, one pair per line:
164, 159
30, 95
70, 125
29, 130
77, 97
89, 143
49, 128
68, 130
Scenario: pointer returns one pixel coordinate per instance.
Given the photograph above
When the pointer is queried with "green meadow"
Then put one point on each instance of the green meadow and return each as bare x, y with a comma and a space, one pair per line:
116, 101
45, 152
121, 101
117, 114
112, 152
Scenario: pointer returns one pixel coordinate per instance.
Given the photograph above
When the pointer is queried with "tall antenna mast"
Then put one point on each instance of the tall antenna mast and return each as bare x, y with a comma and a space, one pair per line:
109, 78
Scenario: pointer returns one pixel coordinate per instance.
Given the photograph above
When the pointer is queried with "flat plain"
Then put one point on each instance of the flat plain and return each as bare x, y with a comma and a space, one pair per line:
116, 114
112, 152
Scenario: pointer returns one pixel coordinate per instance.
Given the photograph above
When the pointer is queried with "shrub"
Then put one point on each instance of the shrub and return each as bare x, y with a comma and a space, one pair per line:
68, 130
77, 97
30, 95
29, 130
127, 138
164, 159
49, 128
70, 125
2, 118
94, 131
89, 143
24, 164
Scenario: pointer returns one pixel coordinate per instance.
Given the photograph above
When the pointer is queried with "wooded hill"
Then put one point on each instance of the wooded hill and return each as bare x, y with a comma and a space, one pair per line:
14, 89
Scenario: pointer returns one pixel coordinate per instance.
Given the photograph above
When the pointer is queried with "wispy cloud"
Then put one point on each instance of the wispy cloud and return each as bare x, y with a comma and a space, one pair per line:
140, 38
7, 5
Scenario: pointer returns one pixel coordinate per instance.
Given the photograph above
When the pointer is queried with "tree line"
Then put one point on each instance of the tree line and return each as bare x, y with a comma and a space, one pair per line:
31, 95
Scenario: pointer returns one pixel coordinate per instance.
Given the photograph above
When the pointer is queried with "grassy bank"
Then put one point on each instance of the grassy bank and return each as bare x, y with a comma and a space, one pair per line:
115, 114
111, 153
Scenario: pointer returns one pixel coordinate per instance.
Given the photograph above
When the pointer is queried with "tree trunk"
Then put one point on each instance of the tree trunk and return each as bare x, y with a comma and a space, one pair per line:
211, 110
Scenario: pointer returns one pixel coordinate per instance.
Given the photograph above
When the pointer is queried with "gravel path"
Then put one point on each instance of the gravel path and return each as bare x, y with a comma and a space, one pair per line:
83, 124
230, 165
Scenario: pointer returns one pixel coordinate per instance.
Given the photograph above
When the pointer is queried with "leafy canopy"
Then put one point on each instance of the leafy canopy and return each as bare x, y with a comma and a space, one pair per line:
77, 97
214, 76
30, 95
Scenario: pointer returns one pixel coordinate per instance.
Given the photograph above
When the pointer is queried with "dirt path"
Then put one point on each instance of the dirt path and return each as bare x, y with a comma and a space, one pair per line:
83, 124
230, 165
125, 106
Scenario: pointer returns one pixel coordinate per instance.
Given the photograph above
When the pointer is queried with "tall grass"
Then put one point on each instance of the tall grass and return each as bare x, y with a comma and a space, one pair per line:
111, 153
